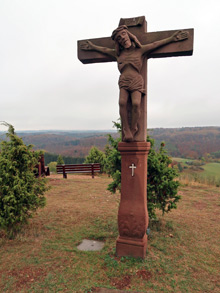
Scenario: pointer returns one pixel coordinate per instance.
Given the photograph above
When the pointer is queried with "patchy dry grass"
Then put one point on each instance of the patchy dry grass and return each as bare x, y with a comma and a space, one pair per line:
182, 256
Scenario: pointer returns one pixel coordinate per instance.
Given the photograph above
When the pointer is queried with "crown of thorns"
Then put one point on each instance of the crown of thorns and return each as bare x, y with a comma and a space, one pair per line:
117, 30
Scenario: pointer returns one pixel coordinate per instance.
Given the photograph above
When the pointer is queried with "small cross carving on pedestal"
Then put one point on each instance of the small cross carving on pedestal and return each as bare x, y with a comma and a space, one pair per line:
132, 167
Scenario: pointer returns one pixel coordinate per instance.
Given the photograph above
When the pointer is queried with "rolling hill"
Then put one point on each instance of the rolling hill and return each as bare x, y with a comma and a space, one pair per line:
186, 142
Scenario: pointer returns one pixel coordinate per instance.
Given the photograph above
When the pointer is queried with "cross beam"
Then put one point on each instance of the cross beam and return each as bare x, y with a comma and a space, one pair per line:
174, 49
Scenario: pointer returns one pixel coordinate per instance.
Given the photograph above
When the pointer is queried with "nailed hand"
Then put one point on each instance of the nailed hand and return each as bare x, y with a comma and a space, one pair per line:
180, 36
87, 45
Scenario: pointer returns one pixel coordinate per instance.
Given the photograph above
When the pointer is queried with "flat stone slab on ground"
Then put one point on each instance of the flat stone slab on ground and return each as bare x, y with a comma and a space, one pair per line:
90, 245
104, 290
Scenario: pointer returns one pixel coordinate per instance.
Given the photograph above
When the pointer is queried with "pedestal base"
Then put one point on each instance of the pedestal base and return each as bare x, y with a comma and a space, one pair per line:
128, 247
132, 213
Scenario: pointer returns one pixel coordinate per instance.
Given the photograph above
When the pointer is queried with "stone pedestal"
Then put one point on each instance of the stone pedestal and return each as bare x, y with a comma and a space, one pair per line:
132, 214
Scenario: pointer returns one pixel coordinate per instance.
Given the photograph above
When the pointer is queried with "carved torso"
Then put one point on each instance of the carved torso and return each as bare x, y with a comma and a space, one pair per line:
131, 58
130, 64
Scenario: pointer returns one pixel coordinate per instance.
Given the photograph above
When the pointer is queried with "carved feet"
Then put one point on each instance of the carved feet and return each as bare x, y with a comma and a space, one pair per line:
129, 134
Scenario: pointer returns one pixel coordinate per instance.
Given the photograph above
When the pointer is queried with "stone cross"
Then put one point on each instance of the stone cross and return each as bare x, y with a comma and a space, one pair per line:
138, 27
131, 46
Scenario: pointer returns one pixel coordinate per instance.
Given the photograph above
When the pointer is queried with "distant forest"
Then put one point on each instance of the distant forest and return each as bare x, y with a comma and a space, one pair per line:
186, 142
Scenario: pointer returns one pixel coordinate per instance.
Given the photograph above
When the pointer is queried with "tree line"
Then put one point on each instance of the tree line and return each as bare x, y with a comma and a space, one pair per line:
48, 157
186, 142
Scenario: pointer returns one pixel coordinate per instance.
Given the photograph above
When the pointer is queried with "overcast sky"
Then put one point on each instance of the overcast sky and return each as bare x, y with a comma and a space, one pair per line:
43, 85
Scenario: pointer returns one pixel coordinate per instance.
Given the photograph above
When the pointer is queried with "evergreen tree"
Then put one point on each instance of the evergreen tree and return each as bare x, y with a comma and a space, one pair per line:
161, 184
96, 156
60, 160
21, 193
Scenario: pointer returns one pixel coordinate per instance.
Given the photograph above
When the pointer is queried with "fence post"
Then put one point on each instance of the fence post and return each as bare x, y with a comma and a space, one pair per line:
64, 173
92, 170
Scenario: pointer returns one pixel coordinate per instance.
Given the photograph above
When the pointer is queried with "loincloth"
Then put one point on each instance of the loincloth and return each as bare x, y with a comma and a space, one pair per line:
132, 84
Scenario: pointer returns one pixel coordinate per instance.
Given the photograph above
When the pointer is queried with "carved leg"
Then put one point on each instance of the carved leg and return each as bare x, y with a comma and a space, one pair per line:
123, 100
136, 111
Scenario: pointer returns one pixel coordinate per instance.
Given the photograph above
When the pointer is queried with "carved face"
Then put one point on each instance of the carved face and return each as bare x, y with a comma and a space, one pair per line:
123, 39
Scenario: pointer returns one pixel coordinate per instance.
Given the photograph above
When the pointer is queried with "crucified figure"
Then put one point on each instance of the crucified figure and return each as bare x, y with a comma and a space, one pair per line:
129, 54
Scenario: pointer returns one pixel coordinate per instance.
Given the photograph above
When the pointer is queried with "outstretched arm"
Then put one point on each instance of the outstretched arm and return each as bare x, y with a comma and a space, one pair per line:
176, 37
89, 46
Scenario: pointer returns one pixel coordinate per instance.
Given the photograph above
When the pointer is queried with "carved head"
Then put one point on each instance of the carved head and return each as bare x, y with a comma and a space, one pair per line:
124, 39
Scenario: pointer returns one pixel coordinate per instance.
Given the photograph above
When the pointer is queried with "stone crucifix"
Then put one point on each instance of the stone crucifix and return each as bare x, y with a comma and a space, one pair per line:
131, 46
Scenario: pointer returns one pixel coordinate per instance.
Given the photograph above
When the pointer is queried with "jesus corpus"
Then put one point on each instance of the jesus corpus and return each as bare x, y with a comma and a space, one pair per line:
129, 54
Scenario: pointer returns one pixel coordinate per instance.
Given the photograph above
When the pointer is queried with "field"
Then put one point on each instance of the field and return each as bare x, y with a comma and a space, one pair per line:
212, 169
210, 173
183, 252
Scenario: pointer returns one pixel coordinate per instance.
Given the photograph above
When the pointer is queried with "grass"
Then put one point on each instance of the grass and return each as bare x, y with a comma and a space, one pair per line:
182, 160
182, 255
209, 176
197, 178
212, 169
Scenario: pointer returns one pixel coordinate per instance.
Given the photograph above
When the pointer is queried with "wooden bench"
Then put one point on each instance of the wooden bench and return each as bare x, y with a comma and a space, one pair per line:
78, 168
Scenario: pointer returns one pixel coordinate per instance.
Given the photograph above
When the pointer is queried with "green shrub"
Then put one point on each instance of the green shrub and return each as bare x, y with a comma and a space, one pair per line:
21, 193
52, 166
113, 160
161, 184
